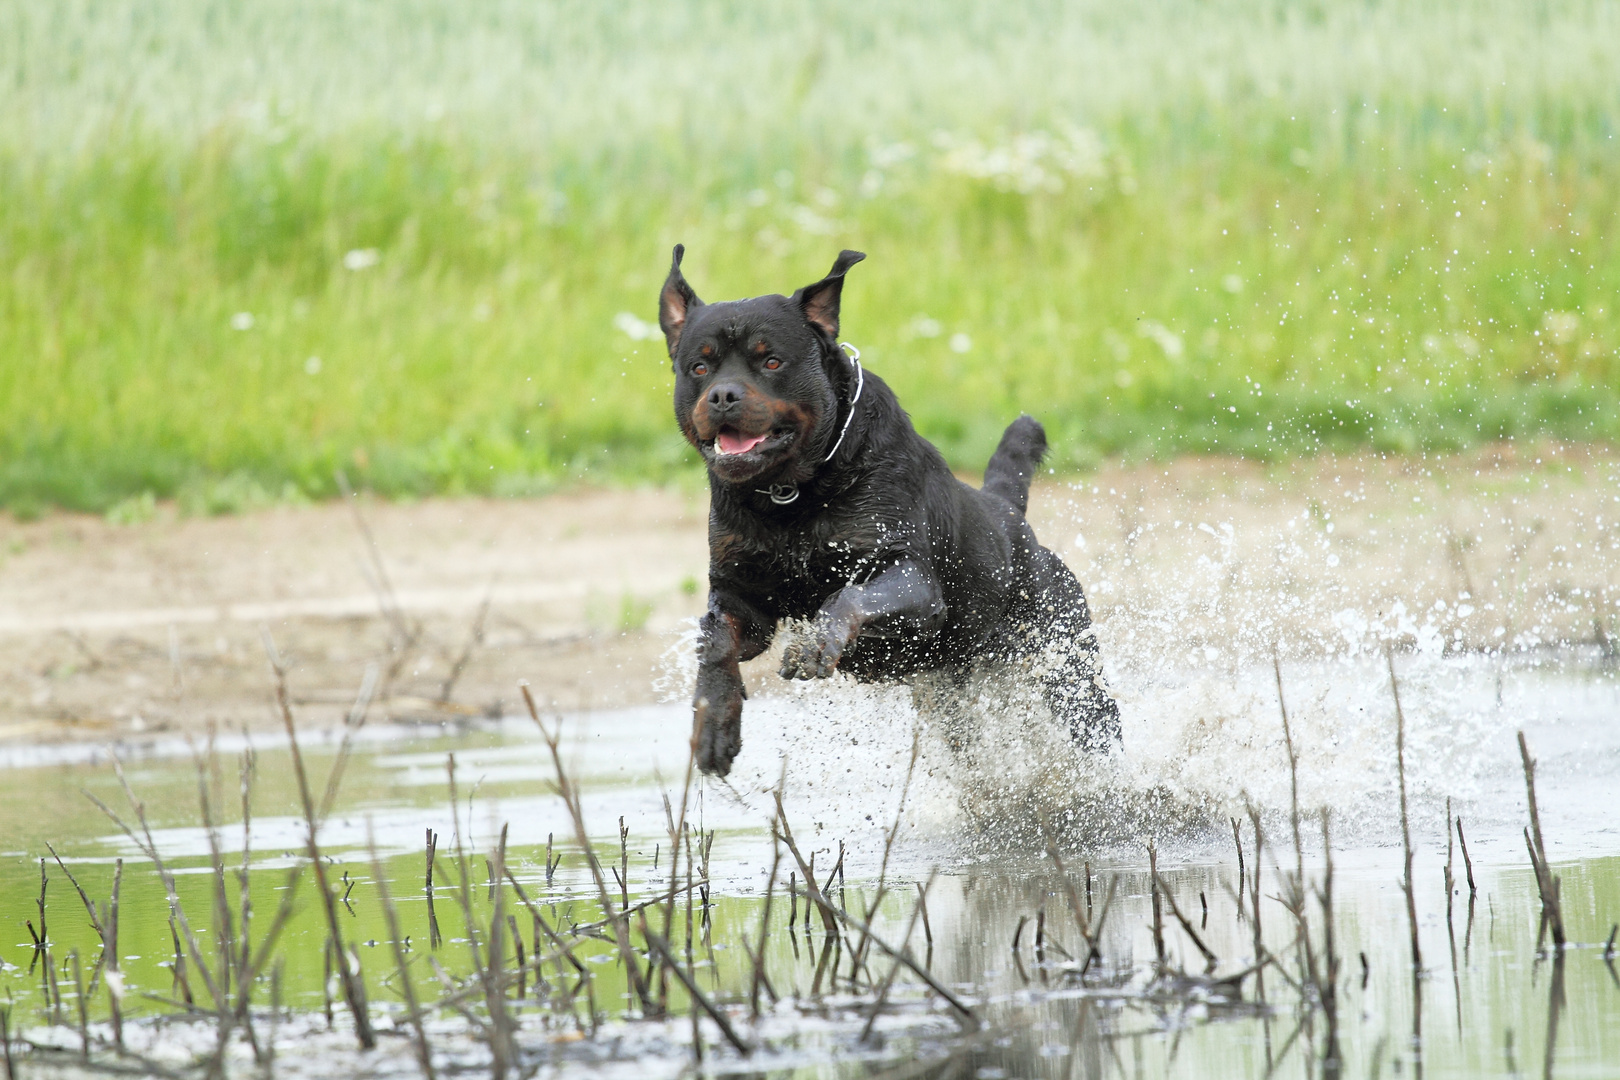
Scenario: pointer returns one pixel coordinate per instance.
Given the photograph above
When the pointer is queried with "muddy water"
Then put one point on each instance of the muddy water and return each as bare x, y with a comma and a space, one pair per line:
984, 797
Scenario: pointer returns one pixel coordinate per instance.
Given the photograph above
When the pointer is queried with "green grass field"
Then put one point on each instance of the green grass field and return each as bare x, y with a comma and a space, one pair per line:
244, 246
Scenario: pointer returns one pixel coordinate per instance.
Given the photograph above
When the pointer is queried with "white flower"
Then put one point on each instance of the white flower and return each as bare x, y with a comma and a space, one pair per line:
361, 259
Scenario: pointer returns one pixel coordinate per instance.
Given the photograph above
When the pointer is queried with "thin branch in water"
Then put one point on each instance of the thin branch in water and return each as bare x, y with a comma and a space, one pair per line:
1175, 909
1468, 864
1406, 832
1548, 885
349, 980
658, 945
379, 877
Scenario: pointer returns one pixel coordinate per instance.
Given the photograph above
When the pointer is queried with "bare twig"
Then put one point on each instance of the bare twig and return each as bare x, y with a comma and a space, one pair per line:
1468, 864
1548, 885
379, 876
880, 998
831, 916
658, 945
348, 979
1175, 909
570, 797
1406, 832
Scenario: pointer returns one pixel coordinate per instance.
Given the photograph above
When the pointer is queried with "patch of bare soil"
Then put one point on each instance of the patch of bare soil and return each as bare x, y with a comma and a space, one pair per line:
115, 632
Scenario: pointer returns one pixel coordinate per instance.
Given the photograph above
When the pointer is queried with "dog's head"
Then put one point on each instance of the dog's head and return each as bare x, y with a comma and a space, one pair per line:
757, 382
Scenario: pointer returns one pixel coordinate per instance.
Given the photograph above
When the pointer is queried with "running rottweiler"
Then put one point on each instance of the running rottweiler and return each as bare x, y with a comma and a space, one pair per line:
826, 505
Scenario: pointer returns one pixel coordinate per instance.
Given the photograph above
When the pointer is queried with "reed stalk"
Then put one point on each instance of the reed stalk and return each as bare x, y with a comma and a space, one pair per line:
379, 877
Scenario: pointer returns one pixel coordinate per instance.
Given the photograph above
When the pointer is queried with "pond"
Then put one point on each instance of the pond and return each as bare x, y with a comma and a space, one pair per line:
1036, 953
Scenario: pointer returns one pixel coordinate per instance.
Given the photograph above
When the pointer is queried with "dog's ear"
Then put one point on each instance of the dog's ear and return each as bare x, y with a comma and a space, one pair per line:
819, 302
676, 302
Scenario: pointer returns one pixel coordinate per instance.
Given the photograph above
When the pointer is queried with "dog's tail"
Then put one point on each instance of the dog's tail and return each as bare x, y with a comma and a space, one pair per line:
1013, 465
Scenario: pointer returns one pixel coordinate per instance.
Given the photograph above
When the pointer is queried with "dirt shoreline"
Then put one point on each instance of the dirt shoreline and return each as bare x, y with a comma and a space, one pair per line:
117, 632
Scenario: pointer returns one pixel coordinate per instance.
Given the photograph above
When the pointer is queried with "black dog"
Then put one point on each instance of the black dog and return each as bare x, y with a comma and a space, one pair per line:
825, 504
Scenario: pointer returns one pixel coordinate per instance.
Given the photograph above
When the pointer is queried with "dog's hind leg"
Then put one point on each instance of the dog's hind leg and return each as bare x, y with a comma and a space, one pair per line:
1073, 683
1013, 465
1077, 695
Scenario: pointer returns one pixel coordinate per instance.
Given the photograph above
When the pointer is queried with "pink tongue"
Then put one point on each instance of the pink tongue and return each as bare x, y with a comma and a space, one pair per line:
738, 444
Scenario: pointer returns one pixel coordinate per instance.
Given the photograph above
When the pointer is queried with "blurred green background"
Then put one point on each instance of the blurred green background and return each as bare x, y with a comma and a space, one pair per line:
245, 245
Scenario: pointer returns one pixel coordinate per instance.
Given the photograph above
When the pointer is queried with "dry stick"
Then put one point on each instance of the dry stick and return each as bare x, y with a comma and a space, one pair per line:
1254, 900
829, 914
1406, 833
105, 924
1237, 839
1327, 990
353, 992
503, 1048
464, 899
244, 996
1555, 1008
661, 947
758, 954
624, 864
1296, 889
518, 958
583, 929
433, 917
5, 1042
54, 993
1451, 880
1546, 883
424, 1056
115, 975
889, 838
691, 972
1164, 889
882, 995
928, 931
79, 999
1158, 907
1090, 934
563, 950
180, 925
570, 797
44, 935
224, 936
1468, 864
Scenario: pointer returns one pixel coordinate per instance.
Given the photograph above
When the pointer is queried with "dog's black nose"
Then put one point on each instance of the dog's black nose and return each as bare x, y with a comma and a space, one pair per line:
726, 395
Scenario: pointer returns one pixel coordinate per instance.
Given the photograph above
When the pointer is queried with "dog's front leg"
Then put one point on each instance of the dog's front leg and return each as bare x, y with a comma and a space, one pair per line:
728, 634
903, 601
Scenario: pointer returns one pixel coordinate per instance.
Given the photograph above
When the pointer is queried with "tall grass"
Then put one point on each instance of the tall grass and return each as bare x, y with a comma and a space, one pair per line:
244, 245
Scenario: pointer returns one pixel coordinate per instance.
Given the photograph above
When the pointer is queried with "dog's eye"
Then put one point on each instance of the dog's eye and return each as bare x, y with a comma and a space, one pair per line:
773, 363
700, 369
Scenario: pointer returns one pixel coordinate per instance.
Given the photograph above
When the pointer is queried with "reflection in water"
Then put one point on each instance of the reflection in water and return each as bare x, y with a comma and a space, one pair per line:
1065, 960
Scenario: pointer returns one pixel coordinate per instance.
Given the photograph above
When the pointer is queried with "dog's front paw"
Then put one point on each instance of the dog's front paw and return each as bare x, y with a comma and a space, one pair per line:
717, 717
815, 654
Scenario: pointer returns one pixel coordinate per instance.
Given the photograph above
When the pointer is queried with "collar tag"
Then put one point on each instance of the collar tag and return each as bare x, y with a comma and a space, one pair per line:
781, 494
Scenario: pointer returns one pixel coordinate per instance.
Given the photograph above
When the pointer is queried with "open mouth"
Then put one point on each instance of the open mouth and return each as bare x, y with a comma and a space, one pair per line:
731, 443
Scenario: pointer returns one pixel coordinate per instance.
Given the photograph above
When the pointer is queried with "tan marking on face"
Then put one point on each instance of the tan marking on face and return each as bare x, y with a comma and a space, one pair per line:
757, 415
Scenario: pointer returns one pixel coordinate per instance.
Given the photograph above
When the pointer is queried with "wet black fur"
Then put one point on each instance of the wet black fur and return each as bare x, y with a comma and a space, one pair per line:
900, 567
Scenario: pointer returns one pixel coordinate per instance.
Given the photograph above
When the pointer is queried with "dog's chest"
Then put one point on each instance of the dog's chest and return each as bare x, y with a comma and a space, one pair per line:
794, 569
